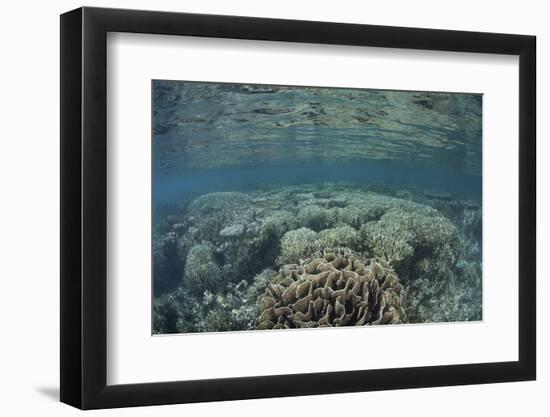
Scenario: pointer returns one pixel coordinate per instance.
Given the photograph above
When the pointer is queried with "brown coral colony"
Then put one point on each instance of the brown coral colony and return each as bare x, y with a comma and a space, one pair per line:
333, 288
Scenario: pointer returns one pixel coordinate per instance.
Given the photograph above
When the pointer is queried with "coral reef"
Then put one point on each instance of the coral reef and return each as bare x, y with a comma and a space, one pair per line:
455, 298
297, 244
165, 315
276, 223
418, 234
301, 243
201, 270
388, 243
234, 308
167, 264
176, 312
222, 243
231, 308
423, 246
344, 236
469, 221
332, 289
235, 230
315, 217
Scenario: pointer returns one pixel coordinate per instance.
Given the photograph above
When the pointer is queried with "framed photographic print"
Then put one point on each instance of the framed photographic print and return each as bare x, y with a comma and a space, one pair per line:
257, 207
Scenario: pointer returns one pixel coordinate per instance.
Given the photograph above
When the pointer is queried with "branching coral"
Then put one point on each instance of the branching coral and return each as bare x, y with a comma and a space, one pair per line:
165, 315
201, 270
344, 236
212, 213
234, 308
470, 222
297, 244
388, 244
315, 217
332, 289
176, 312
455, 298
277, 223
302, 243
420, 231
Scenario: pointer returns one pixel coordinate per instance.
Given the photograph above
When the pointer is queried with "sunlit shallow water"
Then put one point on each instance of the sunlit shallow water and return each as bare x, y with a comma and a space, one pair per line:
408, 151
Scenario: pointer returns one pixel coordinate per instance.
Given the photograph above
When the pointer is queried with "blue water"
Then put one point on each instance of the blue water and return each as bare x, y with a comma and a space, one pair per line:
177, 188
221, 137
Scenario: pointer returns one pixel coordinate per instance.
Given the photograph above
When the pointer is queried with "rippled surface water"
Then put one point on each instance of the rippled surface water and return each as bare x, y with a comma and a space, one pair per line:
215, 137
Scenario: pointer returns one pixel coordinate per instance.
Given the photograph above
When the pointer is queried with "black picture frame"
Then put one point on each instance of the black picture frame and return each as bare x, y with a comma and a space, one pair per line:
84, 207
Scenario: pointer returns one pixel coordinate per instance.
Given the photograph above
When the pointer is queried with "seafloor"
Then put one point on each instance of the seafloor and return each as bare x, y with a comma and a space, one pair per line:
317, 256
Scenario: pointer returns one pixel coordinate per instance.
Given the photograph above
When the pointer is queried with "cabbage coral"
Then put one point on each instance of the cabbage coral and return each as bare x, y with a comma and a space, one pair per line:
332, 289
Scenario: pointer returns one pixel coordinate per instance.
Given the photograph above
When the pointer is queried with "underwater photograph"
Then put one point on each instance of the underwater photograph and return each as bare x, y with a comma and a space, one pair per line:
290, 207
